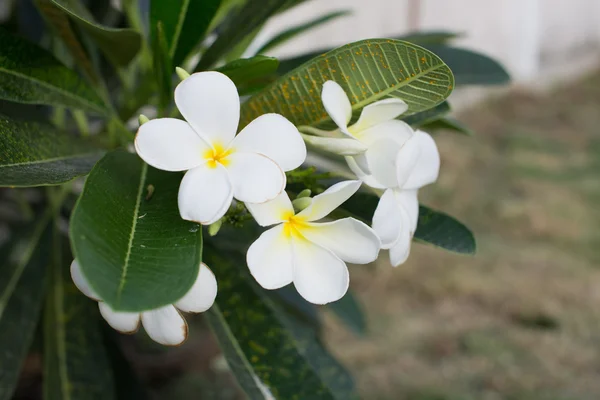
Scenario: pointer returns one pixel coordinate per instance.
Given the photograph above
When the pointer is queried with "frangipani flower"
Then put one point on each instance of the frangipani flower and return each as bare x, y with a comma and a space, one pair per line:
360, 142
221, 166
395, 220
310, 254
164, 325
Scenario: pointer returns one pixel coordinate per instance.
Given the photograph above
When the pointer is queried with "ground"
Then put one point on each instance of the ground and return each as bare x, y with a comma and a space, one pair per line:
521, 319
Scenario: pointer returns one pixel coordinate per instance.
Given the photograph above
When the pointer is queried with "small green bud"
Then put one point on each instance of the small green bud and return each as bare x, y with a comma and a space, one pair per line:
214, 228
304, 193
301, 203
142, 119
182, 73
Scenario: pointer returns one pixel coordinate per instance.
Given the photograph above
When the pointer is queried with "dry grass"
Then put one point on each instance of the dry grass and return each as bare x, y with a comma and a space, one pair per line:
521, 320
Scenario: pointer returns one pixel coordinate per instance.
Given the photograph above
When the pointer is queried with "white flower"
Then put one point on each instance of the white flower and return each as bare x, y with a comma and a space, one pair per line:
417, 164
164, 325
221, 165
310, 254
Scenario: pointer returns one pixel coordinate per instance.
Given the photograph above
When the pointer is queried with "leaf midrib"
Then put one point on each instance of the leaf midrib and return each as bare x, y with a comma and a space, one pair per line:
136, 211
48, 160
178, 28
56, 88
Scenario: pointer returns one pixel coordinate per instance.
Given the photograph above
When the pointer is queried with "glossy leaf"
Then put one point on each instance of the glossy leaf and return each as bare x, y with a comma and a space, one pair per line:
250, 74
163, 70
349, 311
119, 45
22, 283
35, 154
299, 29
76, 365
29, 74
133, 247
185, 23
447, 123
429, 38
246, 20
424, 117
434, 227
470, 67
284, 355
368, 71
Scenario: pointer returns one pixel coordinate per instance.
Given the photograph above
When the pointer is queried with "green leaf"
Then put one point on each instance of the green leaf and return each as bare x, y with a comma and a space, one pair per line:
76, 365
119, 45
133, 247
185, 23
424, 117
447, 123
470, 67
367, 70
29, 74
162, 65
299, 29
247, 19
35, 154
22, 283
350, 312
428, 38
259, 338
434, 227
250, 74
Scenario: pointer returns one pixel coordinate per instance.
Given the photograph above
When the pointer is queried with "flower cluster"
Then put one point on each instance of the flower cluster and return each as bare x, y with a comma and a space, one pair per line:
302, 247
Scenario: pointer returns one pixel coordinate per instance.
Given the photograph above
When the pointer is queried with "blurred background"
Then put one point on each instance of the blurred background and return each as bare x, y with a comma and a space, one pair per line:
521, 319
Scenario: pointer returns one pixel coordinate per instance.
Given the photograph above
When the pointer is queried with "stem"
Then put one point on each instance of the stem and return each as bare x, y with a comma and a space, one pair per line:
82, 122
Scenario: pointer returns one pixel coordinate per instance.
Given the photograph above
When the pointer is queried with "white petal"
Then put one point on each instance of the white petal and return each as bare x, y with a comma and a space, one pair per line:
319, 275
275, 137
349, 239
342, 146
82, 283
400, 251
205, 194
170, 144
406, 160
363, 164
270, 259
396, 130
255, 178
387, 219
202, 294
378, 112
381, 158
165, 325
336, 104
209, 101
427, 167
329, 200
409, 201
368, 179
273, 211
125, 322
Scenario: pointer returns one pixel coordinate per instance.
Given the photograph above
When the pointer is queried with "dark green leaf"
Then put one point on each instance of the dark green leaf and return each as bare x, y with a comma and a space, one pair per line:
295, 305
76, 365
283, 353
299, 29
119, 45
35, 154
133, 247
22, 284
185, 23
434, 227
447, 123
163, 70
368, 71
427, 116
470, 67
29, 74
247, 19
427, 38
348, 309
250, 74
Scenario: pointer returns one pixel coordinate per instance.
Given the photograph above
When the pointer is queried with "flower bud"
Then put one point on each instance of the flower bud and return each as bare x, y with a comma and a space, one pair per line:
304, 193
142, 119
214, 228
182, 73
301, 203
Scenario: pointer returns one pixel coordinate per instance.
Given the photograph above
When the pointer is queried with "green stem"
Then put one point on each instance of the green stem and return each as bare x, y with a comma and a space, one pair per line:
82, 122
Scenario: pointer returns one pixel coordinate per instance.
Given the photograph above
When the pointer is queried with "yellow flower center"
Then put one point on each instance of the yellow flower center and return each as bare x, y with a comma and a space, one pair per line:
293, 225
218, 154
